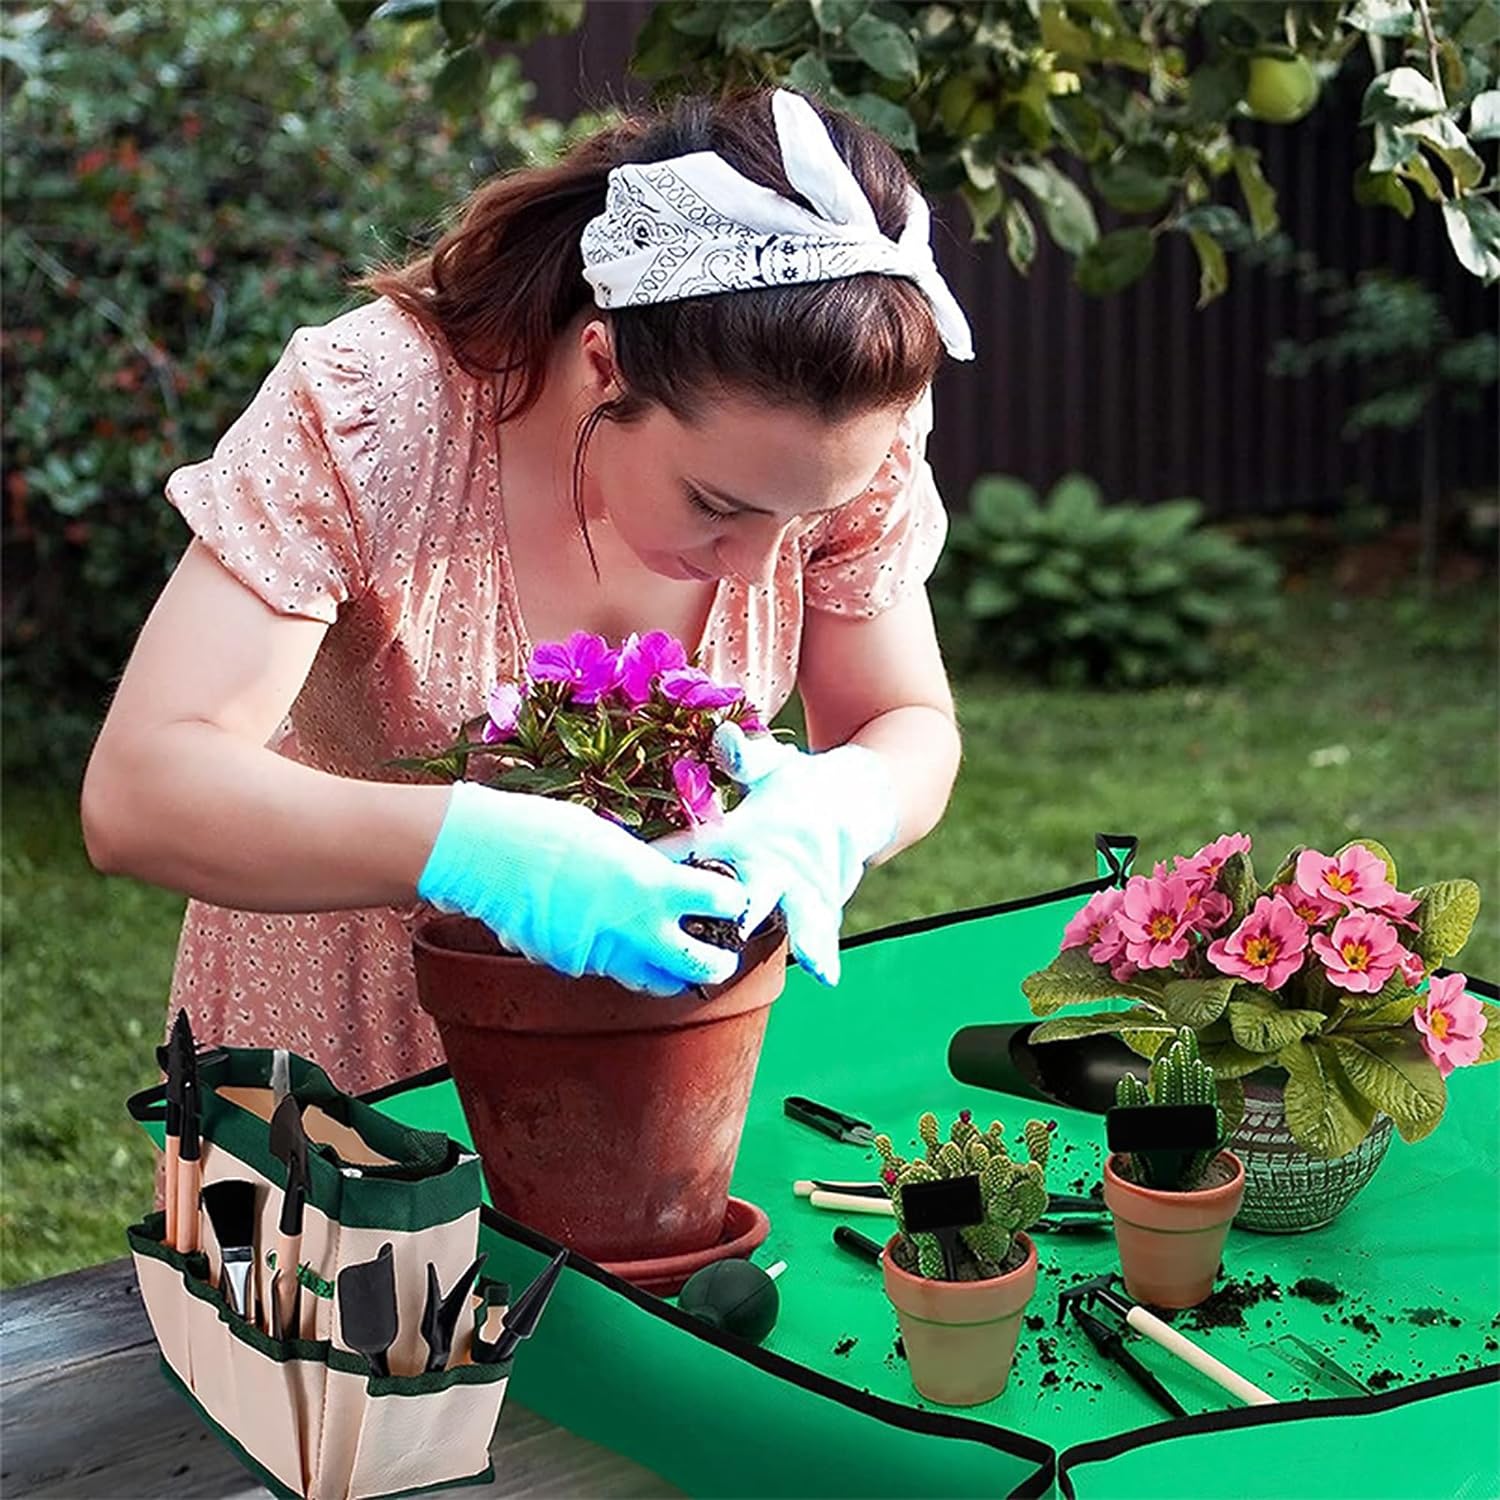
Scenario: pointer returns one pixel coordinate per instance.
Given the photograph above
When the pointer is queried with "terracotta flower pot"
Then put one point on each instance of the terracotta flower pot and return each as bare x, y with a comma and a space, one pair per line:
606, 1119
1171, 1243
960, 1336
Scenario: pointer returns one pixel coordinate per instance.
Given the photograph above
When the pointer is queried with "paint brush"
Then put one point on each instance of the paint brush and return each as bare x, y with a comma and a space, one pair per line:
230, 1206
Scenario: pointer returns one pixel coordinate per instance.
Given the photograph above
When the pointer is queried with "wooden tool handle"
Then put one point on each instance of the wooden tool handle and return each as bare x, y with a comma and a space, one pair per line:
848, 1203
187, 1240
288, 1248
173, 1154
1200, 1359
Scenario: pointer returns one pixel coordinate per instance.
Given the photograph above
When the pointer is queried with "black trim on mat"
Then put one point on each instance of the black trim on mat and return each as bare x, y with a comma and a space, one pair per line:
1261, 1416
893, 1414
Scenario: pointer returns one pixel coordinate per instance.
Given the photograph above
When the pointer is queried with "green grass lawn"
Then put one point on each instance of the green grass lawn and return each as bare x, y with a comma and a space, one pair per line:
1360, 718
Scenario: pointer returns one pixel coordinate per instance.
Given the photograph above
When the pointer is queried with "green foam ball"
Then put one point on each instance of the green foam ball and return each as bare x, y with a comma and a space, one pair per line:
735, 1296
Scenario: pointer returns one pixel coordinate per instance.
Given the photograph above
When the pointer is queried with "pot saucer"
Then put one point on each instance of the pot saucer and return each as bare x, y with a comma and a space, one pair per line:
745, 1229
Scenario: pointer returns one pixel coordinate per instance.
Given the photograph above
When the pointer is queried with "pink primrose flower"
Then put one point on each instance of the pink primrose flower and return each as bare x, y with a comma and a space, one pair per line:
693, 688
1267, 948
643, 658
1361, 952
1209, 910
583, 660
1355, 878
1399, 908
696, 794
1154, 920
504, 709
1315, 910
1411, 968
1203, 867
1452, 1024
1088, 924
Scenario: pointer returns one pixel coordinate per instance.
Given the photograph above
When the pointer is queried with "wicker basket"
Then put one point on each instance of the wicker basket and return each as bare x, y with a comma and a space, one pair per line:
1286, 1189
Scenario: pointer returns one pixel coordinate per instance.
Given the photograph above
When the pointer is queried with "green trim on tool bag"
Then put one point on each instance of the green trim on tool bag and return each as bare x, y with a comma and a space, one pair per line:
434, 1181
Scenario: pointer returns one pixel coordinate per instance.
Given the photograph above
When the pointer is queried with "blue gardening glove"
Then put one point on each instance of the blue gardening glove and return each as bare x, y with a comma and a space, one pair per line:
801, 837
571, 890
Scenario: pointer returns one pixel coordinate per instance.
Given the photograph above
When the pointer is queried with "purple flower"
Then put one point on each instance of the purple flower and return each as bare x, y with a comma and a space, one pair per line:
692, 688
504, 708
695, 790
583, 660
751, 722
643, 659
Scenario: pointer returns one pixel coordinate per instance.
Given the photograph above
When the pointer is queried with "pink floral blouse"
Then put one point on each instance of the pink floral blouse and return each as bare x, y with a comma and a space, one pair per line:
359, 488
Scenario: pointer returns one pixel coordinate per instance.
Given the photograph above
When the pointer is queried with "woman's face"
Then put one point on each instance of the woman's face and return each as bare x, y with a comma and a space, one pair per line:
717, 496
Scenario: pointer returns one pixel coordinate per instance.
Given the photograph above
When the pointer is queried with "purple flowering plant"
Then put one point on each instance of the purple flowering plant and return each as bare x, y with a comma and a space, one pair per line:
623, 730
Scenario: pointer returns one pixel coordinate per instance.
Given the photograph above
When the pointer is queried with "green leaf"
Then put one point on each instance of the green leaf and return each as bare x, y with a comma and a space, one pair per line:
404, 10
1490, 1041
1216, 219
1287, 871
882, 46
1225, 1055
890, 120
1325, 1113
1215, 88
1259, 1024
460, 19
1138, 1019
1003, 506
1382, 17
1474, 232
1112, 263
1399, 97
1237, 881
459, 87
1020, 235
698, 20
1443, 137
577, 738
1445, 918
1073, 978
1259, 195
835, 15
1231, 1094
1196, 1002
1395, 1075
988, 598
1068, 215
1375, 189
810, 75
1484, 116
1384, 1017
777, 28
1136, 179
1213, 268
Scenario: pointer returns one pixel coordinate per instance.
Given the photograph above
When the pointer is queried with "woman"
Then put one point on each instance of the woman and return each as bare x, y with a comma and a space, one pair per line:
677, 382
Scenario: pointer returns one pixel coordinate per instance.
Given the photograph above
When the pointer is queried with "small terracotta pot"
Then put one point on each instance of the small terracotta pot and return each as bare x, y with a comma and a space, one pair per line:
605, 1119
960, 1336
1171, 1243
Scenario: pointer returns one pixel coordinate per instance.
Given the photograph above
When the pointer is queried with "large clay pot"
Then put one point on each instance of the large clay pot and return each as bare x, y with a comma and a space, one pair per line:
606, 1119
960, 1336
1171, 1243
1287, 1189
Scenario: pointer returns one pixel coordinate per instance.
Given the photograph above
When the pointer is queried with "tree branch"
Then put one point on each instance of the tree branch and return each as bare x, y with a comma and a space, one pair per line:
1432, 52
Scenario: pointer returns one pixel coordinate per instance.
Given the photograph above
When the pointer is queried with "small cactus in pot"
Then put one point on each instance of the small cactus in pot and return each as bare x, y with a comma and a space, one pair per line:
960, 1327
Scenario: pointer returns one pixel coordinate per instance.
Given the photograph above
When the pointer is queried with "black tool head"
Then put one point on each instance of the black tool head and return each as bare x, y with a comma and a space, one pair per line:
367, 1307
1088, 1293
440, 1314
289, 1146
230, 1206
947, 1203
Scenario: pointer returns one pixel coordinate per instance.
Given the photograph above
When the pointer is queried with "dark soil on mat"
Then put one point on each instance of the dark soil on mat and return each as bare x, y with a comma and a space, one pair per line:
843, 1347
1383, 1380
1314, 1289
968, 1267
1225, 1308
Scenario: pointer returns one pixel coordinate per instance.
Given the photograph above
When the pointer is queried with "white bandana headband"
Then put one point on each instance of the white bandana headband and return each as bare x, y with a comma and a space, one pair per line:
692, 226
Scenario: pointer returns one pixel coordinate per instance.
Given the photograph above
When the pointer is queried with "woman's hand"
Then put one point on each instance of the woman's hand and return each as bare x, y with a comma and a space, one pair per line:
572, 890
801, 837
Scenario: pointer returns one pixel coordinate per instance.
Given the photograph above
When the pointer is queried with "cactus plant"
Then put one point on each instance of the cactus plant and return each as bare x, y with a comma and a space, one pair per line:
1014, 1193
1178, 1075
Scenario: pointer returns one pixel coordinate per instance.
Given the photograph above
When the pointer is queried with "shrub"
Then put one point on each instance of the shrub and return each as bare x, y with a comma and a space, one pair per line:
1077, 593
185, 184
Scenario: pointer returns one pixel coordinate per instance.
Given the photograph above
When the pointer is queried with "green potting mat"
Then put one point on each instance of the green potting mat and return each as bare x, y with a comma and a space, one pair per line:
826, 1406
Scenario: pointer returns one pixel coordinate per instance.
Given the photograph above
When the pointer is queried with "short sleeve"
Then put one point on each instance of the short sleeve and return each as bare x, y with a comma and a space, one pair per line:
274, 502
872, 553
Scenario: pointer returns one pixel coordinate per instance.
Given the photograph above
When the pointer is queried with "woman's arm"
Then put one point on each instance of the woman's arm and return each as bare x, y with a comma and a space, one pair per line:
880, 683
181, 791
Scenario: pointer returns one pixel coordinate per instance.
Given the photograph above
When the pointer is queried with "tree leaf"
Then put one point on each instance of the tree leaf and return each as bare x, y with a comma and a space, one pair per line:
1382, 17
1443, 137
1259, 1024
1020, 235
1383, 188
1073, 978
1259, 195
1474, 232
1399, 97
1196, 1002
1136, 179
1068, 215
810, 75
775, 29
1325, 1113
1112, 263
1396, 1076
1138, 1019
1215, 88
1213, 268
890, 120
1484, 116
836, 15
883, 46
459, 87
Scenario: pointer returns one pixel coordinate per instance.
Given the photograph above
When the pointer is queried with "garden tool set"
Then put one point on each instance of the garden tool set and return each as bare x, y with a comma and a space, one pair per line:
328, 1316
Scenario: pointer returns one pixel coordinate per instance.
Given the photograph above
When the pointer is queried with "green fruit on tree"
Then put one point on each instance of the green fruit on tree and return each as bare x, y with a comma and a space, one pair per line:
981, 119
1281, 89
955, 99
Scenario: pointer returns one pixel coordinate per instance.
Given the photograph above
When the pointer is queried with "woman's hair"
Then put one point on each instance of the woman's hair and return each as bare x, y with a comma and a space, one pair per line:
503, 282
